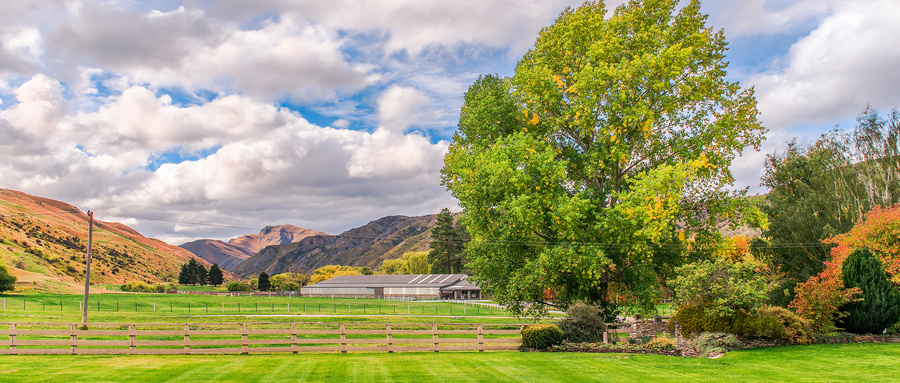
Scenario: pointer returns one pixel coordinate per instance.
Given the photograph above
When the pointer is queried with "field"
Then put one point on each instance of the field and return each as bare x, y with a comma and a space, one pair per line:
190, 308
847, 362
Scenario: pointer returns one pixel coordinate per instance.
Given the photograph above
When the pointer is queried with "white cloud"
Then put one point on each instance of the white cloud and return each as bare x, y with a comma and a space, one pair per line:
844, 64
271, 165
185, 48
400, 108
415, 26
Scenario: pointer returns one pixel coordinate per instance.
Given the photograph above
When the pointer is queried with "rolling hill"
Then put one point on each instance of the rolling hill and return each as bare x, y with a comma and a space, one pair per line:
43, 243
368, 245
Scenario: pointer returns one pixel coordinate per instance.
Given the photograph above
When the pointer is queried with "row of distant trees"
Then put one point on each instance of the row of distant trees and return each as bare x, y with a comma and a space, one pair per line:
194, 273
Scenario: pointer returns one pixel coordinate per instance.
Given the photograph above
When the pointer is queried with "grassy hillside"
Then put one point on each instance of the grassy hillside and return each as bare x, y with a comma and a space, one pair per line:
43, 243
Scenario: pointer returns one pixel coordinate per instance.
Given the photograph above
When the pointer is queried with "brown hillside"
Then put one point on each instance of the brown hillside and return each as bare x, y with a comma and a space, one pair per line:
44, 241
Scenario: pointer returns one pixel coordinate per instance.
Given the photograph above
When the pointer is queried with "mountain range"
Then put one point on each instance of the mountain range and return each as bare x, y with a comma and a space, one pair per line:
368, 245
230, 254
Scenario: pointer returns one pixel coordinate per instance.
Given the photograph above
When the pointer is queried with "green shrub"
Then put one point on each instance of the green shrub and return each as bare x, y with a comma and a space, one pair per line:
7, 280
666, 344
542, 336
238, 286
709, 342
894, 330
696, 319
584, 323
797, 330
137, 287
289, 286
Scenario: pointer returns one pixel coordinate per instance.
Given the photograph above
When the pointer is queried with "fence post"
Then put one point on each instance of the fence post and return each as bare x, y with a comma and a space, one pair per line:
434, 335
223, 307
244, 335
73, 337
390, 340
187, 336
293, 335
480, 338
131, 337
343, 340
605, 337
12, 339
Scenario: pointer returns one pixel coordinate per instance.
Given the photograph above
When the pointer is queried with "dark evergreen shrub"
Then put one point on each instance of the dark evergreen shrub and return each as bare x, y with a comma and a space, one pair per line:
880, 305
542, 336
583, 323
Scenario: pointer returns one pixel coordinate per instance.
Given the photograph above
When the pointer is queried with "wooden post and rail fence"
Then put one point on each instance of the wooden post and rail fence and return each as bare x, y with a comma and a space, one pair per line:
243, 338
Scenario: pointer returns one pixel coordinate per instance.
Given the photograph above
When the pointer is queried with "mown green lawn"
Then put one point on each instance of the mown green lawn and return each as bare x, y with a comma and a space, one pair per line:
818, 363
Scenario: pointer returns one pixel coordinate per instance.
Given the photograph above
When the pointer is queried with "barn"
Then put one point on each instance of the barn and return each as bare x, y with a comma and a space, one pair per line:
408, 286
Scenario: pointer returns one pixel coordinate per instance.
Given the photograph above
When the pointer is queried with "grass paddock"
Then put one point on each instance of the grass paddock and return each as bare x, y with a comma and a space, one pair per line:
817, 363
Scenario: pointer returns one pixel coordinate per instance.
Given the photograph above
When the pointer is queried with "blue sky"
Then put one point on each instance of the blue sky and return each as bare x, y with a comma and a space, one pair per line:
328, 115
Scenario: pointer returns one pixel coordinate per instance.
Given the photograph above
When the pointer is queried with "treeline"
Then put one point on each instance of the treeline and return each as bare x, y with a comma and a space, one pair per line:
821, 190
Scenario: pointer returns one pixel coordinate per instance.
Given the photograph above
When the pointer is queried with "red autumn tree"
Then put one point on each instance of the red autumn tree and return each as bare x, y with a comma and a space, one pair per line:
880, 233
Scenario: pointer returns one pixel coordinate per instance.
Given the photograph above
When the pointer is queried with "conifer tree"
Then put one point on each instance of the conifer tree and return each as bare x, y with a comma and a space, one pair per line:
215, 276
200, 272
184, 276
263, 284
880, 304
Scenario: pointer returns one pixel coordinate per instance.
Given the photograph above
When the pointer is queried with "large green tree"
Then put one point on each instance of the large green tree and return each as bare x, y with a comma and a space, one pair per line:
574, 172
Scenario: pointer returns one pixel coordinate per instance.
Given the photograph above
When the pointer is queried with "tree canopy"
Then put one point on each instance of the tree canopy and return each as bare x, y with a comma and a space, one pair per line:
573, 173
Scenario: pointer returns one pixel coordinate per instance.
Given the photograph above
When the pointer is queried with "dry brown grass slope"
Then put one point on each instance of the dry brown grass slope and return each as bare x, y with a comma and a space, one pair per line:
43, 243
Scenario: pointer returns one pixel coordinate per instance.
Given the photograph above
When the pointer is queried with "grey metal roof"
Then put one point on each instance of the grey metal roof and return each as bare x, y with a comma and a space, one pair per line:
406, 280
462, 285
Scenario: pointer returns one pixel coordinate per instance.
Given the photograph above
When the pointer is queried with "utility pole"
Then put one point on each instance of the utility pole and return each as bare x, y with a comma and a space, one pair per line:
87, 269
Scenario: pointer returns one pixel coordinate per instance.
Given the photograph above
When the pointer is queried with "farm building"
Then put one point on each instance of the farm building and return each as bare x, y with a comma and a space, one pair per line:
409, 286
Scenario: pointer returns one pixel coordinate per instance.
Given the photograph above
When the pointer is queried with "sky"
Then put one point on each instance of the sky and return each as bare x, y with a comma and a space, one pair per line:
211, 119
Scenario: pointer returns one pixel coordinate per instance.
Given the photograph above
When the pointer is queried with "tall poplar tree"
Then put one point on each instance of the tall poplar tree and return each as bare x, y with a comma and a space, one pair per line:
573, 173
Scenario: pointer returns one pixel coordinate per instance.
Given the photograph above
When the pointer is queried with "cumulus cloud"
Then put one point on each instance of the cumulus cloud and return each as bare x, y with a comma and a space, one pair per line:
400, 108
837, 69
184, 48
415, 26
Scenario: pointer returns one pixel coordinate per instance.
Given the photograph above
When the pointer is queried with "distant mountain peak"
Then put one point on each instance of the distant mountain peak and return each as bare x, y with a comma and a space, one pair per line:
236, 250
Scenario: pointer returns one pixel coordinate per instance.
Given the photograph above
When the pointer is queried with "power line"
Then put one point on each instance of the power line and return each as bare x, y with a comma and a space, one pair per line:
488, 241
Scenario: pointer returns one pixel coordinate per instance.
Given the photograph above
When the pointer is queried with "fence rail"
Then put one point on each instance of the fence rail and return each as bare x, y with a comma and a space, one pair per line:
244, 338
